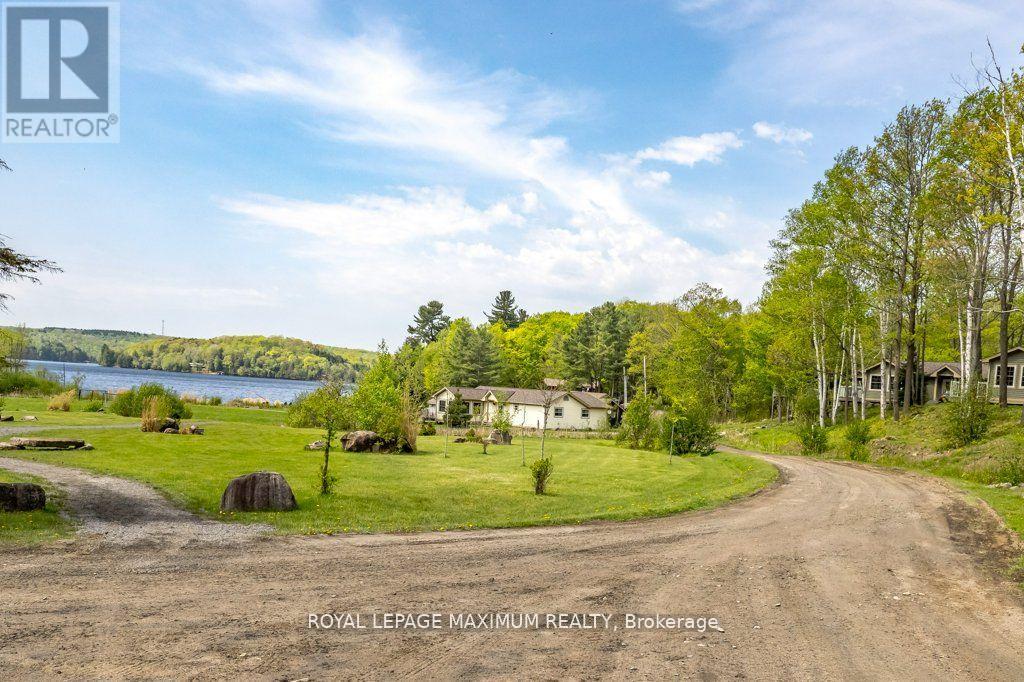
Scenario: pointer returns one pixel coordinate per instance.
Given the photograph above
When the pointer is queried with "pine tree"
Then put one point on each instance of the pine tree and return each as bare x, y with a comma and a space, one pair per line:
428, 322
504, 311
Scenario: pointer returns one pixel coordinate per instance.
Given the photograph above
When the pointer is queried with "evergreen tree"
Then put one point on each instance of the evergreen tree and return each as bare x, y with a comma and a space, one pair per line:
505, 312
428, 322
595, 352
474, 358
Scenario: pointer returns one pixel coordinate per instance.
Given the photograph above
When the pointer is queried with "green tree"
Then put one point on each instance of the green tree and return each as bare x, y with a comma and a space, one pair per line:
377, 403
457, 412
428, 322
505, 312
594, 353
331, 410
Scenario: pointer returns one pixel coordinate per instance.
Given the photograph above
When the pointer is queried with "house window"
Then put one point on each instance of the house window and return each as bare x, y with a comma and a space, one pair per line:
441, 405
585, 413
876, 382
559, 411
565, 397
1010, 375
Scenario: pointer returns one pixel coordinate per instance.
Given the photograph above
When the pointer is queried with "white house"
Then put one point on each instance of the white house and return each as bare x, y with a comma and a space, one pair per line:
579, 410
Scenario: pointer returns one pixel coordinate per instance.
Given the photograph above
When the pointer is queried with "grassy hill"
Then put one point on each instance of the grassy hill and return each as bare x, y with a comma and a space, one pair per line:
262, 356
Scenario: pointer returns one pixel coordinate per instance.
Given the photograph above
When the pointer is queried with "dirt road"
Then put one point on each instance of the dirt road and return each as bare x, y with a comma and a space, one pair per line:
842, 572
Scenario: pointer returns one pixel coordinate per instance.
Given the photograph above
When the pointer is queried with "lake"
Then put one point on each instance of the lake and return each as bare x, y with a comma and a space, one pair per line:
100, 378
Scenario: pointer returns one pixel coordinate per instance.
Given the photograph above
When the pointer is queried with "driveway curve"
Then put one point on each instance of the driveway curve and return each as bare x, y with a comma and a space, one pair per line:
841, 572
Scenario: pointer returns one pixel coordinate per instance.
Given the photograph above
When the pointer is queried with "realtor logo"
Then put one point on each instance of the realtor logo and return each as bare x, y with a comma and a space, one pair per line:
60, 72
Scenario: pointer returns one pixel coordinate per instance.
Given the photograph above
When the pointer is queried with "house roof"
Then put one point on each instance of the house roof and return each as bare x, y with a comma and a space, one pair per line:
933, 368
929, 368
536, 396
996, 356
525, 396
466, 392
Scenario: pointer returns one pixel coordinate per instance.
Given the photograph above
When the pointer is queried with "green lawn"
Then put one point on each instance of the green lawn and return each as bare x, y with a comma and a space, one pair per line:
386, 493
26, 528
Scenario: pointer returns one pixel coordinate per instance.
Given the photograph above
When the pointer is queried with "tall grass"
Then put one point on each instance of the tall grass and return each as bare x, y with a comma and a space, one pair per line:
13, 382
62, 401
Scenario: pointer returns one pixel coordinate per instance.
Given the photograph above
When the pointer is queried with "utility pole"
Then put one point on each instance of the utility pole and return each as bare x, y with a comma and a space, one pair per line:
672, 441
447, 428
161, 327
645, 375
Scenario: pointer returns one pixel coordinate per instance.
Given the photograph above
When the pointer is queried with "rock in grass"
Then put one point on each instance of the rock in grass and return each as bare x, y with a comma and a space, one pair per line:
259, 491
15, 497
8, 418
500, 437
48, 443
317, 445
360, 441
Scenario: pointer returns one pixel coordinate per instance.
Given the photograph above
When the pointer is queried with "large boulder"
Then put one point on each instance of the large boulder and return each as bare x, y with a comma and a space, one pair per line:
259, 491
500, 437
15, 497
361, 441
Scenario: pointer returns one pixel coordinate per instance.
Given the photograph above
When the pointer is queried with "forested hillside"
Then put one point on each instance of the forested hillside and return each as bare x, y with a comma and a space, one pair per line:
71, 345
257, 356
261, 356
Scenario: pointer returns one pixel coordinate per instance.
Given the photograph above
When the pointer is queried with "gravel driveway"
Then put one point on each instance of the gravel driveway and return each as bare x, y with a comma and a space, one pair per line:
841, 572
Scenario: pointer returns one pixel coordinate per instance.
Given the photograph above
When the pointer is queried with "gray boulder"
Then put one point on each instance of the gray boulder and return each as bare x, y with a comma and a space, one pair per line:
259, 491
499, 437
15, 497
316, 445
360, 441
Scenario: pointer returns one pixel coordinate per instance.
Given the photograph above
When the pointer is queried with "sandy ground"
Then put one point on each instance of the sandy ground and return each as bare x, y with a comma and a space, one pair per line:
841, 572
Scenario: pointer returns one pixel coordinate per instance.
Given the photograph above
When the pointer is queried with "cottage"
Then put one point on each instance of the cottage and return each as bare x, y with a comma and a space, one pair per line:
577, 410
936, 378
991, 371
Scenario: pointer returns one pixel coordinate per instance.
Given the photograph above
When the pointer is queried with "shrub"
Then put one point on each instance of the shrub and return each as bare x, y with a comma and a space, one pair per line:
471, 435
457, 412
858, 432
300, 416
62, 401
541, 471
858, 435
26, 383
93, 406
154, 411
214, 400
428, 429
501, 422
131, 403
688, 430
639, 427
967, 418
1012, 470
813, 438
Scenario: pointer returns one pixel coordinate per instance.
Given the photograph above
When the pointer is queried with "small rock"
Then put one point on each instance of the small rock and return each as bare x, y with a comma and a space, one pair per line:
316, 445
30, 418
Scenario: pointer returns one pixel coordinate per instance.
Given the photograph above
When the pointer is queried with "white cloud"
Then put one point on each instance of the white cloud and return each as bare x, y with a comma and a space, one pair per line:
426, 213
568, 235
869, 52
780, 134
689, 151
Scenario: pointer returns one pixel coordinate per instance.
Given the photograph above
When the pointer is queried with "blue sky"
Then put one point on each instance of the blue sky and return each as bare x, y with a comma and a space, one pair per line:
321, 169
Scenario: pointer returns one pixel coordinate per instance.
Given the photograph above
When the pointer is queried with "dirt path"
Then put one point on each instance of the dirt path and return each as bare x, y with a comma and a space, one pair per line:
122, 512
842, 573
